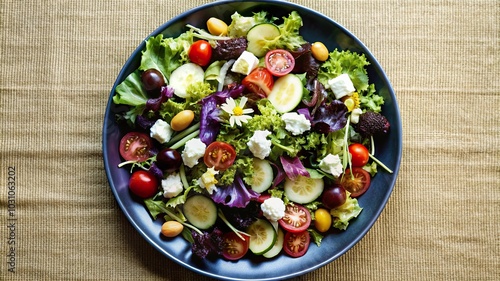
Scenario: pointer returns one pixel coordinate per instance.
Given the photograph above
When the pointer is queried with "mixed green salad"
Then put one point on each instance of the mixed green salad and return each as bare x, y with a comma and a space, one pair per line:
244, 137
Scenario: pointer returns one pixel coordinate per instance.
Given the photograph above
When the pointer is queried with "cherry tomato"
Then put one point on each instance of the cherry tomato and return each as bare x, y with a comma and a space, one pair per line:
143, 184
297, 218
279, 62
356, 182
296, 244
200, 53
234, 247
259, 81
219, 155
135, 146
359, 154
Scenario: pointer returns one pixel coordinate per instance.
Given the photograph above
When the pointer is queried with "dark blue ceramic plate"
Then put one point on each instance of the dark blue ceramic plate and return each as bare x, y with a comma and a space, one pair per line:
317, 27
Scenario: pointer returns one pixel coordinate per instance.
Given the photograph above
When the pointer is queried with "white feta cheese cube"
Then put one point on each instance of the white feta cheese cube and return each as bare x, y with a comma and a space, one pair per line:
172, 185
296, 123
245, 63
194, 149
161, 131
259, 145
341, 86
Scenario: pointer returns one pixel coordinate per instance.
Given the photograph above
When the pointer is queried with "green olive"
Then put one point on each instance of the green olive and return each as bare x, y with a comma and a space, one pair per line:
216, 27
182, 120
319, 51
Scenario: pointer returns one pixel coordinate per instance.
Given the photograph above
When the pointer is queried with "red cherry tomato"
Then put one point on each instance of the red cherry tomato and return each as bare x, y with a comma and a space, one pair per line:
296, 244
135, 146
219, 155
143, 184
297, 218
234, 247
200, 53
356, 182
359, 154
259, 81
279, 62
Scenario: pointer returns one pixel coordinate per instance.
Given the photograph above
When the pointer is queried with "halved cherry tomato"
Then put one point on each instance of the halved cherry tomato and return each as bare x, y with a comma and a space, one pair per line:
259, 81
143, 184
279, 62
135, 146
234, 247
296, 244
200, 53
297, 218
359, 154
356, 182
219, 155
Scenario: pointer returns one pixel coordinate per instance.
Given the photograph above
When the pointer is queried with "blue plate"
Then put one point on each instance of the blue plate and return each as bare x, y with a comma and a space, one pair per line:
317, 27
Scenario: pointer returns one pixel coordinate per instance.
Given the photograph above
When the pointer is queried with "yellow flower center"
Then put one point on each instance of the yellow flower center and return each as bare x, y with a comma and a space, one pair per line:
238, 111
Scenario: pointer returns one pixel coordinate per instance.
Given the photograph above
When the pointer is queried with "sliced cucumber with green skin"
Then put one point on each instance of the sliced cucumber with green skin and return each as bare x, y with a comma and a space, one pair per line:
184, 76
278, 245
303, 190
262, 236
262, 177
258, 35
286, 93
200, 211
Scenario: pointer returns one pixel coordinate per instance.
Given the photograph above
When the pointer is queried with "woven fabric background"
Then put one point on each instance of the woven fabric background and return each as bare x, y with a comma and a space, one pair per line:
59, 60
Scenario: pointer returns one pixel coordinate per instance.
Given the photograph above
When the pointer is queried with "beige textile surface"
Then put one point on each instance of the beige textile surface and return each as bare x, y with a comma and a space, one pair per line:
59, 60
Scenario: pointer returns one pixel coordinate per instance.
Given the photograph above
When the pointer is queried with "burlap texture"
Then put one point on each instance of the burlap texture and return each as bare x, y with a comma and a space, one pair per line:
59, 60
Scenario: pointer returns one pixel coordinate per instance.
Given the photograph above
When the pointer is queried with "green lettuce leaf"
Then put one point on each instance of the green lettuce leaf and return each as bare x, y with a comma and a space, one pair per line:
346, 212
240, 25
166, 54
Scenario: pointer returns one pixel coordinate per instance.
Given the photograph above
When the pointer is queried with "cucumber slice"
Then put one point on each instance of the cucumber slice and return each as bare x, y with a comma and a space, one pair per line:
262, 177
258, 35
278, 245
185, 75
286, 93
303, 190
200, 211
262, 236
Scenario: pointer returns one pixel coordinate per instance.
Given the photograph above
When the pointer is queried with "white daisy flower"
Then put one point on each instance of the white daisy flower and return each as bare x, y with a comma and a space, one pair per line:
237, 112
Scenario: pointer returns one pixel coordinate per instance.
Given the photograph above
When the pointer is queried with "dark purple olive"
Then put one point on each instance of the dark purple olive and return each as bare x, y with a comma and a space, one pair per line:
168, 160
334, 196
152, 79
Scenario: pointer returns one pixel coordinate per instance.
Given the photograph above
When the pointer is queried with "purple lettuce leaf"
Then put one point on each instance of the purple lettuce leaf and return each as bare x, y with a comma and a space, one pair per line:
210, 112
155, 103
236, 195
330, 118
280, 175
207, 243
293, 167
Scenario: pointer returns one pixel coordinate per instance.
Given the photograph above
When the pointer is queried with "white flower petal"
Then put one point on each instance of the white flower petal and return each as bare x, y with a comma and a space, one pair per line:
243, 101
247, 110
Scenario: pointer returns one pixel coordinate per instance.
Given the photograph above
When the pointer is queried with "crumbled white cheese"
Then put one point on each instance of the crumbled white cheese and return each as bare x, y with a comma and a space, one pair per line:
161, 131
355, 115
194, 149
208, 180
296, 123
245, 63
331, 164
259, 145
341, 86
172, 185
273, 209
